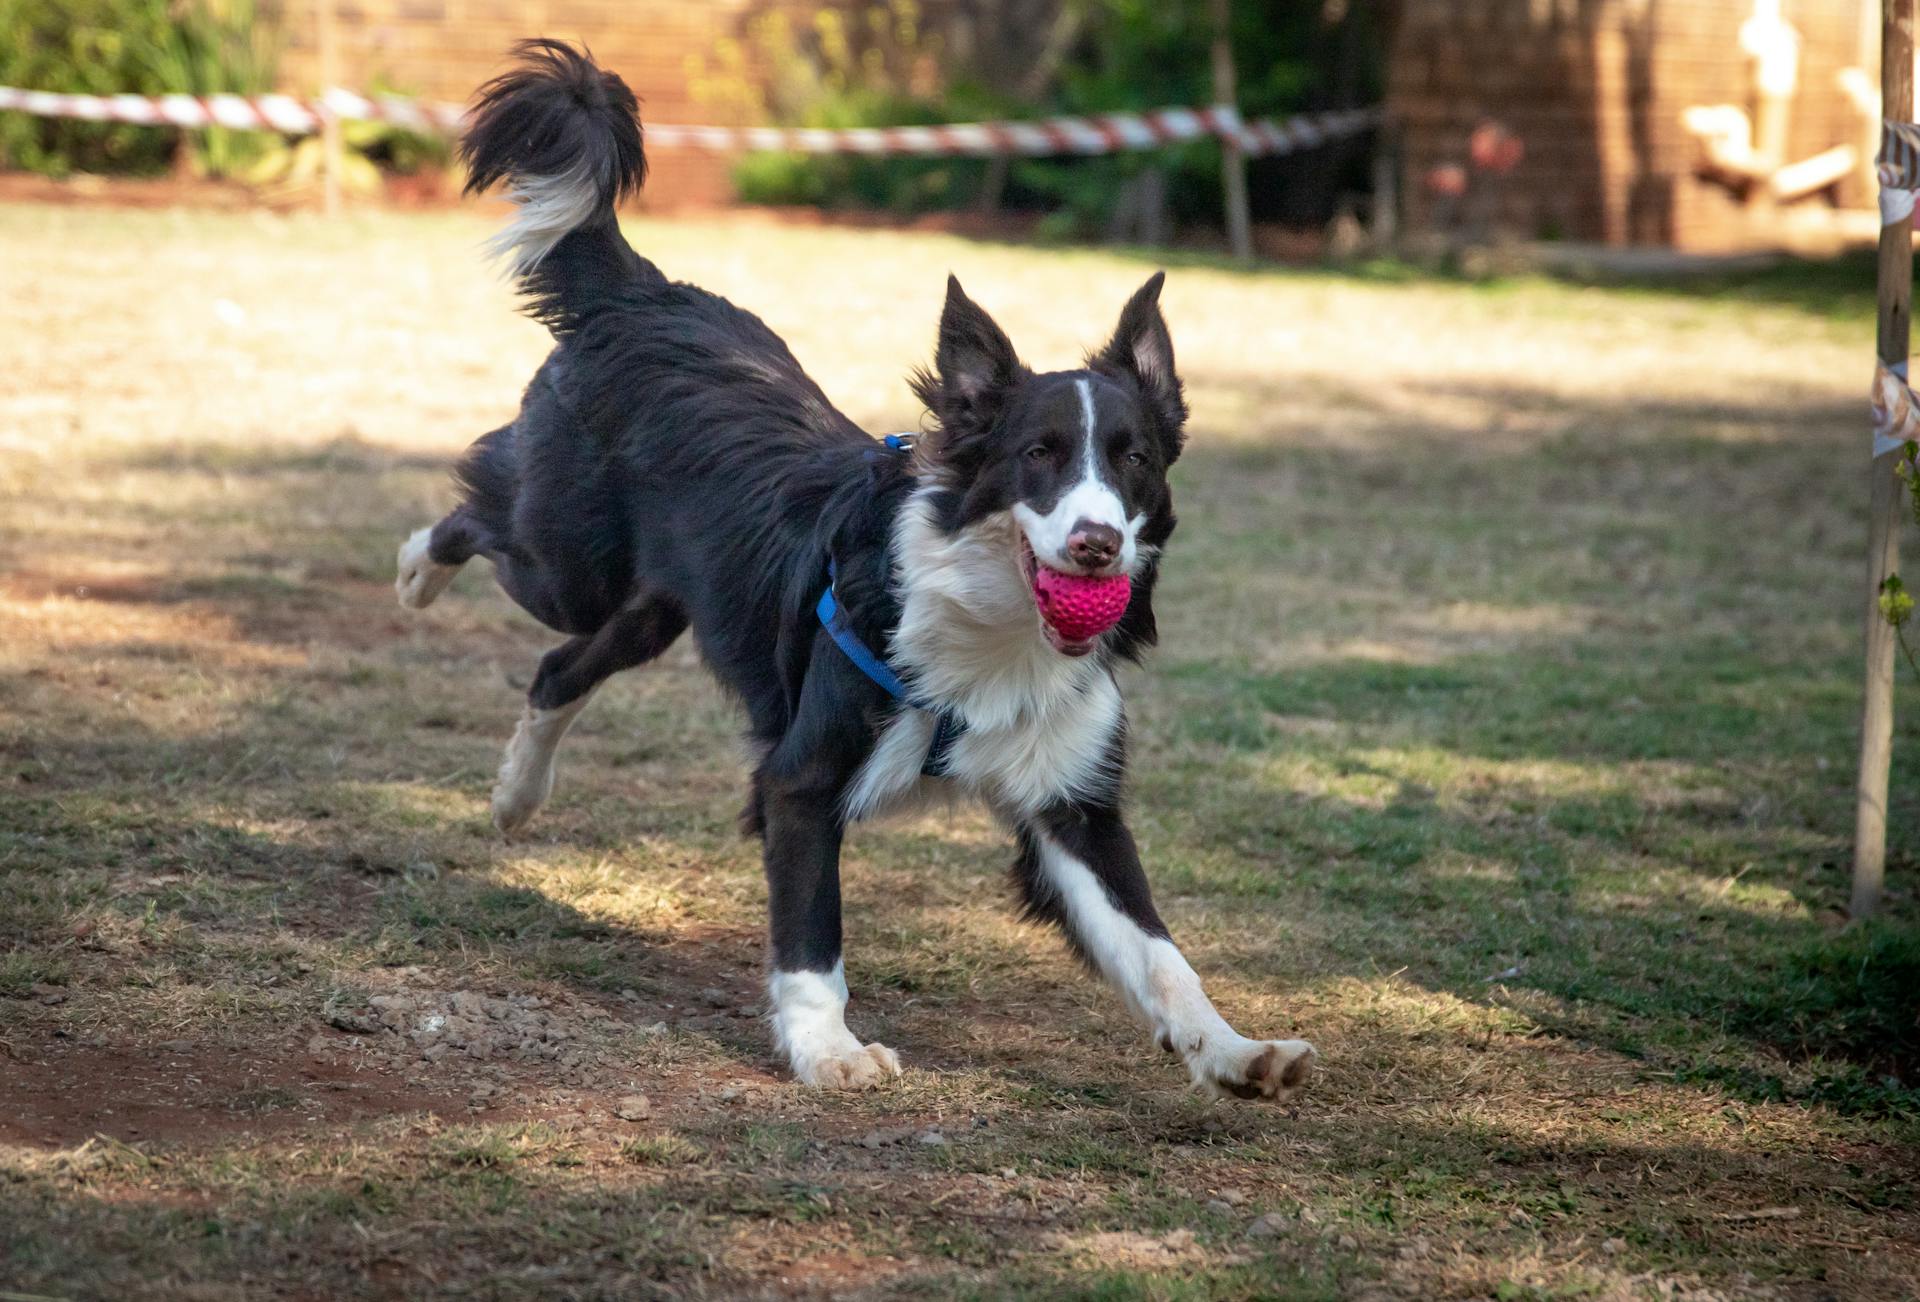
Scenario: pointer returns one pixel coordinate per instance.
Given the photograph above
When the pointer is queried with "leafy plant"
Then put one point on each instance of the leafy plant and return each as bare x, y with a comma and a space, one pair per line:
367, 150
1896, 603
884, 64
145, 47
843, 67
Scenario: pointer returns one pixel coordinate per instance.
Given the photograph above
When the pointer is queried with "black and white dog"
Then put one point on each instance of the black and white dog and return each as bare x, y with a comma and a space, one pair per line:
672, 467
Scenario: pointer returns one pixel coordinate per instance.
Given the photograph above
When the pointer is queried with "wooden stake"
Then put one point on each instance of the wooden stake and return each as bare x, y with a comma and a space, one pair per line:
1386, 187
1888, 501
331, 146
1233, 163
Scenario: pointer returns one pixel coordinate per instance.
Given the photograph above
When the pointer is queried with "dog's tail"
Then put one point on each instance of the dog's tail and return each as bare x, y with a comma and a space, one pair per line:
565, 136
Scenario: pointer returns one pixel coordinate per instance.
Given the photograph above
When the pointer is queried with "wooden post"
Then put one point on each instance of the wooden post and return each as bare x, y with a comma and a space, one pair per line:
1883, 547
1233, 162
1386, 187
331, 146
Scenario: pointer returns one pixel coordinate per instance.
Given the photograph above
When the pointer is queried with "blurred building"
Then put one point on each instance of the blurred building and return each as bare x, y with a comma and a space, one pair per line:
1695, 124
1691, 124
444, 49
667, 50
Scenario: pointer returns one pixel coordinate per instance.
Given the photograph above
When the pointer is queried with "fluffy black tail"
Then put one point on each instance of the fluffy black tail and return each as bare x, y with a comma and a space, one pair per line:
565, 136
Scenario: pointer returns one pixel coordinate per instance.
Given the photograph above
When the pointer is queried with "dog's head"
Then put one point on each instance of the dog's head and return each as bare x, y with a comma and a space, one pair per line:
1077, 460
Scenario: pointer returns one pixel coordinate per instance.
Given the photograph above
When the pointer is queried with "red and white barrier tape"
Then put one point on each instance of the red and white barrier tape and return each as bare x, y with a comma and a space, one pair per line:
1106, 133
1898, 166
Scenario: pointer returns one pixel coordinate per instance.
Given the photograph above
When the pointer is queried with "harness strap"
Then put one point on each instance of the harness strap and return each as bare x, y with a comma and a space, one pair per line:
833, 617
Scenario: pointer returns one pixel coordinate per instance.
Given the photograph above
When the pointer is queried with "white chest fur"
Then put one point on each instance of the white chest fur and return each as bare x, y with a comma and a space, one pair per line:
1038, 724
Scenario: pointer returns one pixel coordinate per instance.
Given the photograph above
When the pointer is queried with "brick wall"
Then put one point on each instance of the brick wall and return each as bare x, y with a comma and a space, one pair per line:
443, 49
1596, 88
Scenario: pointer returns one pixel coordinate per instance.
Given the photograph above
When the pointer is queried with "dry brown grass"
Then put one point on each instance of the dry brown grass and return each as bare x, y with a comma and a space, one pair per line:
1499, 745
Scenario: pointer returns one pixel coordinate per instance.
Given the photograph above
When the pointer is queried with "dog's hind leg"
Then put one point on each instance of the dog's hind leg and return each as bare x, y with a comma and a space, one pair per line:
431, 556
568, 676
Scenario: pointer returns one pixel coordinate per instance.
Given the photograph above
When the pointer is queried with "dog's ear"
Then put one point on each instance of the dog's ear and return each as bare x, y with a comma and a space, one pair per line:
974, 367
1142, 350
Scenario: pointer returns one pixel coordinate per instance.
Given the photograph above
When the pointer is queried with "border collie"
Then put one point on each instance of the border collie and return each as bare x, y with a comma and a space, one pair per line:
874, 606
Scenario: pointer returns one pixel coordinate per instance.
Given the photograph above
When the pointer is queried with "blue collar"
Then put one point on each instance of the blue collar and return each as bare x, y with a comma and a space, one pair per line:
833, 618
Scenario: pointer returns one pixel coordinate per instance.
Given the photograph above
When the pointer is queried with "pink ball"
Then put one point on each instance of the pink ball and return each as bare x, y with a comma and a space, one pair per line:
1078, 607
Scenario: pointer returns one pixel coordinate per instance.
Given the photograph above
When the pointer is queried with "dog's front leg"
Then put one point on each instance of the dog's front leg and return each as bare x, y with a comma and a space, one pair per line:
1079, 868
807, 991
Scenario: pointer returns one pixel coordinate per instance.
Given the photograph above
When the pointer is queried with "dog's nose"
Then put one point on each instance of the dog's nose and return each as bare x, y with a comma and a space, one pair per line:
1093, 545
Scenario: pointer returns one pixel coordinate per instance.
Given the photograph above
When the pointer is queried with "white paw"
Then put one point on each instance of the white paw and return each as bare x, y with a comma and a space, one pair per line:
848, 1066
1254, 1069
420, 578
526, 775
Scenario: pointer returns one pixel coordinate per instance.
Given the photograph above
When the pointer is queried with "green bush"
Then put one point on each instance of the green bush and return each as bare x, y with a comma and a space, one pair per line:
905, 185
864, 64
145, 47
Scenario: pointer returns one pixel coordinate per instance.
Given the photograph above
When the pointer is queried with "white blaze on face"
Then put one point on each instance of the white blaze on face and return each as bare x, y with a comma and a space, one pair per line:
1090, 498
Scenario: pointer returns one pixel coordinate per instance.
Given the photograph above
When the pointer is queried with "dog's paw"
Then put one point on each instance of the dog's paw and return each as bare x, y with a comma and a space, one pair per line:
515, 804
854, 1066
420, 578
526, 778
1256, 1069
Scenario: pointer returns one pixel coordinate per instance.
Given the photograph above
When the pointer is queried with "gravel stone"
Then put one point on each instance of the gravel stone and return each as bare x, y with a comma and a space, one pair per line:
1270, 1226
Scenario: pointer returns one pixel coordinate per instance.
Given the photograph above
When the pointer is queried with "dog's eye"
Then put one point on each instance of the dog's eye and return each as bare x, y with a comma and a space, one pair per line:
1039, 452
1136, 458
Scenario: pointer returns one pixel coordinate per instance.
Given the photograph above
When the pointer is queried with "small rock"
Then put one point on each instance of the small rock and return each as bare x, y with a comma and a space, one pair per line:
658, 1028
353, 1023
1219, 1207
714, 997
1007, 1173
631, 995
1233, 1197
634, 1107
889, 1135
1270, 1226
178, 1046
931, 1138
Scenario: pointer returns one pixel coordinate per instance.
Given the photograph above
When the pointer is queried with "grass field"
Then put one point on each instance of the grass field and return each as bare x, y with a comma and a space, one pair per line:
1500, 743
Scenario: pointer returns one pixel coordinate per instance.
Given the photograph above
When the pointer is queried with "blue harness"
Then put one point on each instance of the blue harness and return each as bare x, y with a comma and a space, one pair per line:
833, 617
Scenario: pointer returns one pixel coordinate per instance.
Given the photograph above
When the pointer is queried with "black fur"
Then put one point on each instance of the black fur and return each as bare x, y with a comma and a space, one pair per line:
673, 467
553, 112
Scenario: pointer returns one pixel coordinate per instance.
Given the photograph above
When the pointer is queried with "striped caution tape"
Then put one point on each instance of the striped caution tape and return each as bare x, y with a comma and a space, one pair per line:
1898, 166
1106, 133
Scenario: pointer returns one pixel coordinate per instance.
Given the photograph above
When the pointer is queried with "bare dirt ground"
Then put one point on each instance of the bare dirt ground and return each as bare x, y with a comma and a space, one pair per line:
1500, 744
